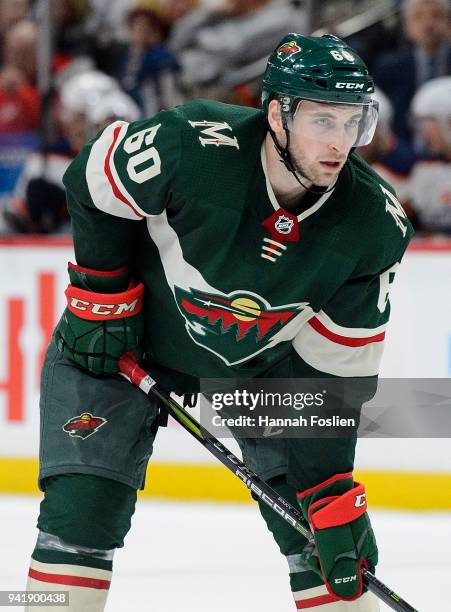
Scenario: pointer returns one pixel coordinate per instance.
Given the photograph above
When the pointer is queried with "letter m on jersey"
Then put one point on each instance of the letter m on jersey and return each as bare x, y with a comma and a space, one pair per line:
394, 208
212, 129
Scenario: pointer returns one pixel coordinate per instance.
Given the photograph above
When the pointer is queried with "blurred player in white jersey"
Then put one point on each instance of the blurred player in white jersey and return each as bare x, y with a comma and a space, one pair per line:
430, 183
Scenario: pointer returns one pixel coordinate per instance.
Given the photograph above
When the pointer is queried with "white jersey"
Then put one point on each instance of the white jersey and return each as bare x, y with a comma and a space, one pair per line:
400, 182
430, 194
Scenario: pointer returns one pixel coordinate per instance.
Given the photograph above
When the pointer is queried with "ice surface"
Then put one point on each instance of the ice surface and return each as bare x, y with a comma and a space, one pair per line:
220, 558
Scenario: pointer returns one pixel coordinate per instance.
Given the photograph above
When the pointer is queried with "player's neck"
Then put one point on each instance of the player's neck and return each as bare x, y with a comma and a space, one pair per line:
286, 188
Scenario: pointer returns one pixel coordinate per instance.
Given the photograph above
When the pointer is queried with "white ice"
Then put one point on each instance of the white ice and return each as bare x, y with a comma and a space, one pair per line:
220, 558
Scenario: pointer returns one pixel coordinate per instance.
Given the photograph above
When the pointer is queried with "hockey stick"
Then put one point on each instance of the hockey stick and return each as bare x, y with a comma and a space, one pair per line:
130, 368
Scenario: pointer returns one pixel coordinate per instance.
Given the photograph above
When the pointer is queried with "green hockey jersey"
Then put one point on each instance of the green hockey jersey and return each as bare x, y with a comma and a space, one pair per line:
234, 284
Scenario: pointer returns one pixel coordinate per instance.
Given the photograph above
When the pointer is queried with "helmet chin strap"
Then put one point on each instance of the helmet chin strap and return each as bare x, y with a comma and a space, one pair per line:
286, 159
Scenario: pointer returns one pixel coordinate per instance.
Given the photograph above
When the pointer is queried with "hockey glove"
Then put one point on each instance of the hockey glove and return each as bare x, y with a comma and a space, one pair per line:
336, 510
102, 320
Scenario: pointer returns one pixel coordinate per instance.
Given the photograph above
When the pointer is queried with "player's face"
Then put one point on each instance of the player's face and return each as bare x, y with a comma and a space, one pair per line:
322, 136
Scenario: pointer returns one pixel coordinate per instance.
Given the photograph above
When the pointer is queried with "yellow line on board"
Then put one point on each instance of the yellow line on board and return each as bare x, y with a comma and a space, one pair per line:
385, 489
18, 475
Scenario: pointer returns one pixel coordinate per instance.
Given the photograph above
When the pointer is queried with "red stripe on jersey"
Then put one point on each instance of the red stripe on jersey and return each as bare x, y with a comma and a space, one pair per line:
345, 340
120, 196
312, 602
91, 583
84, 270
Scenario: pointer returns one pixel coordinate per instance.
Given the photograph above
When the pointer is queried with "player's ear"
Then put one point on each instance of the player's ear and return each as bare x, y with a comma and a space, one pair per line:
274, 116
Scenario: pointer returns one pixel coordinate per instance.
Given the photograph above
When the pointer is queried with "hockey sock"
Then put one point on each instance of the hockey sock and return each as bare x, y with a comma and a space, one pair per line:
318, 599
84, 573
310, 598
309, 591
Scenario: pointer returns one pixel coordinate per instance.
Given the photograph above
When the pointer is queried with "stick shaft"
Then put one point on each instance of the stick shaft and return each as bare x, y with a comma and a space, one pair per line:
254, 483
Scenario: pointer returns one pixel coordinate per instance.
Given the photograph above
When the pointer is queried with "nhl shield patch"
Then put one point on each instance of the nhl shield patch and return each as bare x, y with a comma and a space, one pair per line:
83, 425
282, 226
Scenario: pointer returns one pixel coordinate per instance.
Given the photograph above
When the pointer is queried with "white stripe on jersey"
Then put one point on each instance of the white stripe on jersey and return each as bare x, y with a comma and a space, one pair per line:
328, 355
105, 187
182, 274
349, 332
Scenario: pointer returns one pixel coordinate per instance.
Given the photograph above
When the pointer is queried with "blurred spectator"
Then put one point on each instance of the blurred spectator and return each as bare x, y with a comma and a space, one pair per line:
148, 72
430, 183
88, 102
20, 49
19, 99
73, 38
174, 10
12, 11
212, 42
19, 102
428, 55
107, 25
389, 156
108, 19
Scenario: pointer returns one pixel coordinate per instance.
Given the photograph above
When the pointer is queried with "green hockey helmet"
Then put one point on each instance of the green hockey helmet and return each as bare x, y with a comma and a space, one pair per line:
320, 69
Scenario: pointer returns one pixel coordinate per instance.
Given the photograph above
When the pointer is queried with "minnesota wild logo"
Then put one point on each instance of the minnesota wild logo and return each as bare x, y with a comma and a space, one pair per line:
83, 425
234, 326
287, 50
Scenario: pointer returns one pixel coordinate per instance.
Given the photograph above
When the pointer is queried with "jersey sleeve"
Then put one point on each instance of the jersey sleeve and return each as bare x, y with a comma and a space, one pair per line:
124, 175
344, 340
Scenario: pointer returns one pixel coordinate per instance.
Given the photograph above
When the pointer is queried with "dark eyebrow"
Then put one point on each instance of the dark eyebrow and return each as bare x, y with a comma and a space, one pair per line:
331, 115
321, 113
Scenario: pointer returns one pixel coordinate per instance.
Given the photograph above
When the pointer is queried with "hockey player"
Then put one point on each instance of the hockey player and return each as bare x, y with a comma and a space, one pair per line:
430, 182
228, 242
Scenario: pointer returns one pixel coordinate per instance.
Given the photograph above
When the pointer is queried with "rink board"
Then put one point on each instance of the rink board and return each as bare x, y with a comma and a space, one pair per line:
33, 279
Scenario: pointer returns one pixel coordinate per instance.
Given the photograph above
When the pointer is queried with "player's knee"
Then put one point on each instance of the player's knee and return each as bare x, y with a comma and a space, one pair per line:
87, 510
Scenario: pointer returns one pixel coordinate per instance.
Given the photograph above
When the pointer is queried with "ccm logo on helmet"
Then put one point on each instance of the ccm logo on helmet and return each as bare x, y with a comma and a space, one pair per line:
349, 85
106, 310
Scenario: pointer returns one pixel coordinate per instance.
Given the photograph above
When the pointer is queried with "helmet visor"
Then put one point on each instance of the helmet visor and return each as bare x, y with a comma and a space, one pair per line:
350, 125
